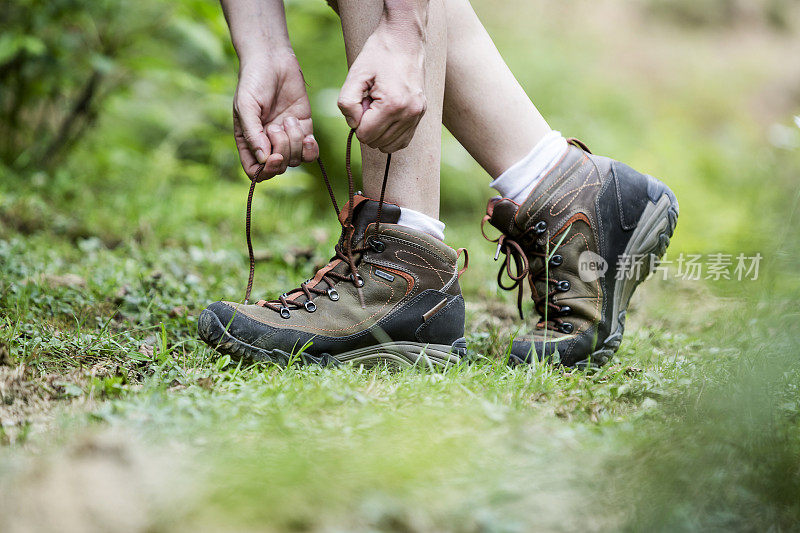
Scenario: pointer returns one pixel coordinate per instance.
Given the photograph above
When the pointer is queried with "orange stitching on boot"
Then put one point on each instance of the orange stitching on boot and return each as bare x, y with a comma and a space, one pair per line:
574, 218
426, 265
552, 169
574, 193
405, 275
556, 183
426, 243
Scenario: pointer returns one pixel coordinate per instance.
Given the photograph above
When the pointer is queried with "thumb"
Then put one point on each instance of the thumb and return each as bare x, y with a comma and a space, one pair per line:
249, 116
352, 96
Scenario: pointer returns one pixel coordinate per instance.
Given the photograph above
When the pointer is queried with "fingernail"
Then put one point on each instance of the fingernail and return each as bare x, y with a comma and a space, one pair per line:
260, 156
274, 128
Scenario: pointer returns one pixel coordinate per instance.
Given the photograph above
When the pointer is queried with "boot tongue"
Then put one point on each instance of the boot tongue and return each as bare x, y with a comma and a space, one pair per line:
501, 213
365, 212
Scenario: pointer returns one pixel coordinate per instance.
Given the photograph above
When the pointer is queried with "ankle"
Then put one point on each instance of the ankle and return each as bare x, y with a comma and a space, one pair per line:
517, 182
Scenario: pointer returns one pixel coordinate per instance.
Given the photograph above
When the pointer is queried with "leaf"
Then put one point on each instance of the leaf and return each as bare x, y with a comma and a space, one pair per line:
12, 45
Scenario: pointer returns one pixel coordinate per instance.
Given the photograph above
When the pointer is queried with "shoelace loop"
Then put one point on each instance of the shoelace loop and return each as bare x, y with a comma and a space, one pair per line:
514, 252
344, 250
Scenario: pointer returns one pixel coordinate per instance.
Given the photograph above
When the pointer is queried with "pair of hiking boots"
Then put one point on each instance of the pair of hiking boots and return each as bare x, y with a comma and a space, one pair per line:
582, 240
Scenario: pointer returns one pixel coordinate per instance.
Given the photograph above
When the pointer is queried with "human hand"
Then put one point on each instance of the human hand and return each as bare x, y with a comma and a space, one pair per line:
272, 116
383, 96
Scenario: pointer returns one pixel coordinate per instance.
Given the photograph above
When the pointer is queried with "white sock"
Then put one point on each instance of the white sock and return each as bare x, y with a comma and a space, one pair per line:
422, 222
517, 182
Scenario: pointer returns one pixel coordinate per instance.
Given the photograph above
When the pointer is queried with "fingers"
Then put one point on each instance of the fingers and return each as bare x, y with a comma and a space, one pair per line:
397, 138
310, 148
353, 92
279, 160
288, 144
373, 125
295, 134
249, 162
247, 114
389, 125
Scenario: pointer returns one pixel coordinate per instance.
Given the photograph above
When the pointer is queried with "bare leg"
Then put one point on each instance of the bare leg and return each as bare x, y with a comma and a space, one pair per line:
414, 175
485, 108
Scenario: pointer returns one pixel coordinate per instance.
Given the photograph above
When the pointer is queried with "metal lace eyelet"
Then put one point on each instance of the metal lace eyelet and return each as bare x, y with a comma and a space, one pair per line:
310, 306
285, 312
376, 245
565, 310
359, 281
540, 227
563, 286
332, 294
556, 261
566, 327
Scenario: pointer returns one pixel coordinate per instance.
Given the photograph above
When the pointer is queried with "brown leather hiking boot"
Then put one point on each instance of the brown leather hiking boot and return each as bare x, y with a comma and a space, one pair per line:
585, 237
412, 303
389, 294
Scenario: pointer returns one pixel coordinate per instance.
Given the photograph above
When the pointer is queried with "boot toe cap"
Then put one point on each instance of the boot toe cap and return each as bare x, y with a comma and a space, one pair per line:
221, 318
559, 349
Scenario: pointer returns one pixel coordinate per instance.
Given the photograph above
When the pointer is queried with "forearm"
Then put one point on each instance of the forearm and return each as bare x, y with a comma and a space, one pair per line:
258, 28
407, 19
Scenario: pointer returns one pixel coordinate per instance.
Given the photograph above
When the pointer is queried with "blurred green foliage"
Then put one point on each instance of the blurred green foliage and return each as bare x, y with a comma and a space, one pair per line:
107, 103
59, 61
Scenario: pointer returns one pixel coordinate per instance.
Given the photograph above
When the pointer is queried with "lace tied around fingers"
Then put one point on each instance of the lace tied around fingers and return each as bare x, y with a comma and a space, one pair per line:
344, 250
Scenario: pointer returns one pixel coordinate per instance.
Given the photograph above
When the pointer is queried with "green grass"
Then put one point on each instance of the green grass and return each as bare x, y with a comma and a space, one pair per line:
114, 415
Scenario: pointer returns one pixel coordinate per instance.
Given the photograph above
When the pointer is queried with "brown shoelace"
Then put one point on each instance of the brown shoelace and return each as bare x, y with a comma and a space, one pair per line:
514, 253
511, 247
344, 250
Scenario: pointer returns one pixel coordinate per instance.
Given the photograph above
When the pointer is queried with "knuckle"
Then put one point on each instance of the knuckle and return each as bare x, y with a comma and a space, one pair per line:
395, 104
364, 135
243, 105
417, 106
344, 103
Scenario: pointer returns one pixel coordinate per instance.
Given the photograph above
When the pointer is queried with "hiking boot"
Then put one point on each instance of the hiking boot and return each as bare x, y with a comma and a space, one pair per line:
390, 294
589, 232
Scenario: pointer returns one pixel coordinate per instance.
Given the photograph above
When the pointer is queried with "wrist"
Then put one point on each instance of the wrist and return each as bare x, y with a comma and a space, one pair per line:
267, 58
405, 19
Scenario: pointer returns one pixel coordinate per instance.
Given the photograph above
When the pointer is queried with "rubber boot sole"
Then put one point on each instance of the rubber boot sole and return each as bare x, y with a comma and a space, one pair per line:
398, 354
